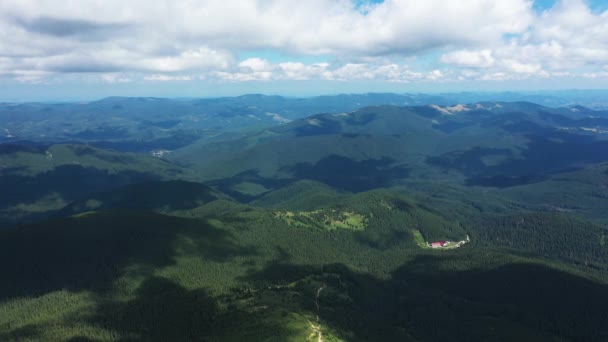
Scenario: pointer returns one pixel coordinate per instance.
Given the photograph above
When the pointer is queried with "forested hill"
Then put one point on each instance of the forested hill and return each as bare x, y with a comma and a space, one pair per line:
419, 222
216, 269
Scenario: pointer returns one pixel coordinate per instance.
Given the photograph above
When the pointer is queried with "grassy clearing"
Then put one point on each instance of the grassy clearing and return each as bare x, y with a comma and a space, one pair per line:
325, 219
419, 239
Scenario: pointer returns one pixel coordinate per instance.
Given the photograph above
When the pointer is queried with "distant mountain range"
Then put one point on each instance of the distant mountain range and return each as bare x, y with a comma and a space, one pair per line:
144, 124
495, 144
277, 219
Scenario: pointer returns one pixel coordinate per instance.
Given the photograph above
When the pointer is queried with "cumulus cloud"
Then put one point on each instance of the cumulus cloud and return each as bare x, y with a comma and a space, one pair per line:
301, 71
467, 58
561, 41
164, 78
115, 78
314, 26
84, 29
386, 72
256, 69
252, 69
175, 40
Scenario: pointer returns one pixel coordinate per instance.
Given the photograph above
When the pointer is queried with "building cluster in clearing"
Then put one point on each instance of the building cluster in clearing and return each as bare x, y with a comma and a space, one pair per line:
438, 244
443, 243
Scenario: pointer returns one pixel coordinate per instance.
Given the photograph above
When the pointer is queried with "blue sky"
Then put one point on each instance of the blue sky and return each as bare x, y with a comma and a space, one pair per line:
55, 50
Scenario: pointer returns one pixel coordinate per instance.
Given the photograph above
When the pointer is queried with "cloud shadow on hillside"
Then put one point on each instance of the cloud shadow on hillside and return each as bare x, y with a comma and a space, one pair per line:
90, 252
349, 174
66, 182
428, 300
547, 152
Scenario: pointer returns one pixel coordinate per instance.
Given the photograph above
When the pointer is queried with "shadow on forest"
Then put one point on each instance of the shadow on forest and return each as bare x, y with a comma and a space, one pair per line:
30, 331
91, 251
176, 140
349, 174
157, 195
67, 183
23, 146
165, 311
547, 152
382, 240
339, 172
428, 300
228, 185
161, 311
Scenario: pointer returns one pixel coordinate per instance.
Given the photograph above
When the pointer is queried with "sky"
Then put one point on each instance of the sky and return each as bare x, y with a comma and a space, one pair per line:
83, 49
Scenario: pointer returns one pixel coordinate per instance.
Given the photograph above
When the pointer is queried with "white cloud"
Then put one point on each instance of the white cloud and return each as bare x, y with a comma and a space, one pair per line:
594, 75
256, 65
560, 42
115, 78
349, 71
164, 78
467, 58
165, 39
171, 36
496, 76
198, 59
29, 76
522, 68
435, 75
301, 71
252, 69
256, 69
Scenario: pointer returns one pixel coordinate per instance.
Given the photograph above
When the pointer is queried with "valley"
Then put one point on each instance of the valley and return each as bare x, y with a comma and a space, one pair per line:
356, 224
287, 171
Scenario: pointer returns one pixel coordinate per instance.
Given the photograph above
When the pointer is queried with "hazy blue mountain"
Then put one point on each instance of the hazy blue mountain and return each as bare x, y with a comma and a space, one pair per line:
148, 124
281, 219
488, 144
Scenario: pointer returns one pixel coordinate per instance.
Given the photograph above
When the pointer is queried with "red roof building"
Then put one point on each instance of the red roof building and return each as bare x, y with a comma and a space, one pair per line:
439, 244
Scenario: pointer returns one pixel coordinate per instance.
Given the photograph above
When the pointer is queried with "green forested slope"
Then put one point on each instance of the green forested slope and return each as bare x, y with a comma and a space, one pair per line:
315, 228
38, 180
552, 235
229, 272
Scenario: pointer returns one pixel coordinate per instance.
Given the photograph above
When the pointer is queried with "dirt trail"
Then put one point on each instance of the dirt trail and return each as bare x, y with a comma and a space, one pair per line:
316, 328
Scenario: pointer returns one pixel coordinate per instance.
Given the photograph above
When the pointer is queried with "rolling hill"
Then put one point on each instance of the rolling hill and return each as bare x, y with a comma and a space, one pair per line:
38, 179
307, 230
144, 124
496, 145
209, 267
148, 124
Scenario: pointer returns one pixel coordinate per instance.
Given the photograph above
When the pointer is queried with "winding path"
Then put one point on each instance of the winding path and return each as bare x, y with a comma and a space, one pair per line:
316, 328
